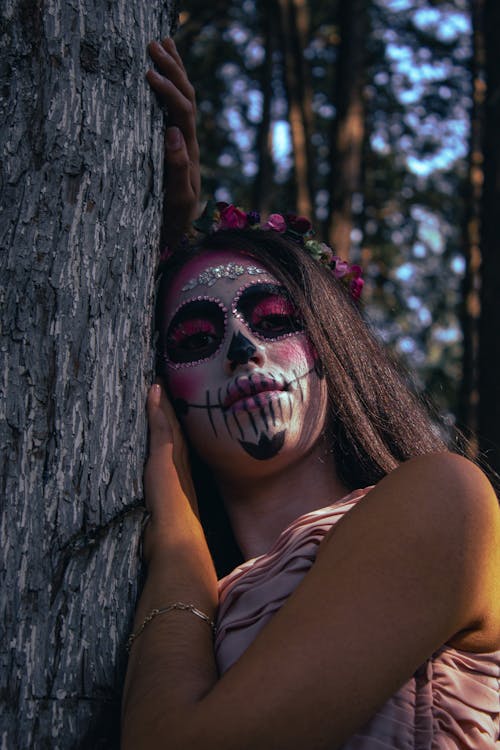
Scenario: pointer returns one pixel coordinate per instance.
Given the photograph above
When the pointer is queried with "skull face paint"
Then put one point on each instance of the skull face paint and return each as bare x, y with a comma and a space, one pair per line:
241, 372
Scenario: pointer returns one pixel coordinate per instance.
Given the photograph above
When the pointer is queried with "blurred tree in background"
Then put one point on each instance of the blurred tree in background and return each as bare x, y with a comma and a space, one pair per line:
359, 112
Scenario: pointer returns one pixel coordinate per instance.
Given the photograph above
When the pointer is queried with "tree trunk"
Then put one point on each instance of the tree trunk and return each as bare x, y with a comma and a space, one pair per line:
489, 339
346, 147
262, 187
294, 37
468, 397
81, 204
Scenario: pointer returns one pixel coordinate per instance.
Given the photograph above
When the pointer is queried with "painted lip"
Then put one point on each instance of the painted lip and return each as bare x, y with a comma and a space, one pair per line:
244, 388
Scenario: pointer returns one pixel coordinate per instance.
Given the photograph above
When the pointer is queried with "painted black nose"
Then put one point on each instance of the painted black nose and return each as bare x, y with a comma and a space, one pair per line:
241, 350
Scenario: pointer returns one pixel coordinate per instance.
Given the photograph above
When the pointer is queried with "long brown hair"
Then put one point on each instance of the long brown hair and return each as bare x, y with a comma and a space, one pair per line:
375, 420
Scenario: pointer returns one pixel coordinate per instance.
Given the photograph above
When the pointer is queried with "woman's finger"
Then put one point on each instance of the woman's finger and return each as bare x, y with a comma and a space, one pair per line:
181, 111
169, 45
181, 192
161, 425
168, 66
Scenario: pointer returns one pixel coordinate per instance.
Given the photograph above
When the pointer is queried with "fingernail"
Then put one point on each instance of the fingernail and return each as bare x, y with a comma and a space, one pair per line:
156, 393
174, 138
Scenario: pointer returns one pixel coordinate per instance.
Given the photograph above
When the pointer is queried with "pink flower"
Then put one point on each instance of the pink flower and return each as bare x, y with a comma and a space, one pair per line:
356, 288
276, 222
233, 217
341, 267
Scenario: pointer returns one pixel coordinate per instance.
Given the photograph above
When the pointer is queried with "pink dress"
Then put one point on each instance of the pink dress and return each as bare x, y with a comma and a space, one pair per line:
452, 702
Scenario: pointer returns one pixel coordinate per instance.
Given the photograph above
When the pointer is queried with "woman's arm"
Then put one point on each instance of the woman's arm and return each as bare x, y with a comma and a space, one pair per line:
171, 664
411, 567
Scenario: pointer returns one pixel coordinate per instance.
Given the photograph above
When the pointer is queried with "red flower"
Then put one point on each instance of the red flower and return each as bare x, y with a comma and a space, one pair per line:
356, 288
232, 217
356, 271
299, 224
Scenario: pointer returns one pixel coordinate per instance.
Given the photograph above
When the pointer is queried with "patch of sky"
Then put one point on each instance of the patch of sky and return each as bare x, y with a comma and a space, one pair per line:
413, 302
446, 335
419, 250
226, 160
254, 53
223, 194
282, 150
379, 143
326, 111
442, 160
410, 96
406, 345
396, 5
237, 34
430, 230
322, 198
238, 87
281, 140
240, 134
279, 108
250, 168
228, 70
255, 102
405, 272
356, 235
447, 23
398, 52
381, 78
424, 316
457, 264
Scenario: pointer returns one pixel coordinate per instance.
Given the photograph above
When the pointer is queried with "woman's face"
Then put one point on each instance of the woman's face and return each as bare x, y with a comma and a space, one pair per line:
241, 372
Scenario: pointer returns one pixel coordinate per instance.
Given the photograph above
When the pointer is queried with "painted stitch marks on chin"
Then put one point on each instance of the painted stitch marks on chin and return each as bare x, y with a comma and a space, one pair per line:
266, 447
253, 407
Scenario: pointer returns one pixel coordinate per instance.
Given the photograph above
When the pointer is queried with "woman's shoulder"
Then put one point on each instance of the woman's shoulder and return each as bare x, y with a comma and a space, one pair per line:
445, 503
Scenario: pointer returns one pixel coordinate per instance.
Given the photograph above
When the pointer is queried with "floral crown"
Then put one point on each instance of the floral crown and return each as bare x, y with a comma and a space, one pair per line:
218, 216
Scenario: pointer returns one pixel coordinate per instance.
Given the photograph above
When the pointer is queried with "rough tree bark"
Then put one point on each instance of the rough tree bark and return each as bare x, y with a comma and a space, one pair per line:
80, 198
489, 339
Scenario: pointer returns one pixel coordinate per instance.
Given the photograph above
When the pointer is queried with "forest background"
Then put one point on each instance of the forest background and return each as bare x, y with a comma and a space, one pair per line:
380, 118
370, 116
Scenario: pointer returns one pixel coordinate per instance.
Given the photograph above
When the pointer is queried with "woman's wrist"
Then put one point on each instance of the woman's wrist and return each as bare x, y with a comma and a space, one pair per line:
183, 568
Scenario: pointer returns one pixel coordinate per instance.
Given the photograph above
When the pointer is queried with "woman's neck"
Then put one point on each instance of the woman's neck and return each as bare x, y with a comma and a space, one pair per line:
260, 509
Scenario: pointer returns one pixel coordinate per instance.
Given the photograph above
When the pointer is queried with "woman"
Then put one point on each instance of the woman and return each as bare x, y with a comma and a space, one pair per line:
391, 638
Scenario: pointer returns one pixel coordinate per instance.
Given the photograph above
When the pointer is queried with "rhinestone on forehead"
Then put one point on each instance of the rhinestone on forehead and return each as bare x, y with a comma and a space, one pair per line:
223, 271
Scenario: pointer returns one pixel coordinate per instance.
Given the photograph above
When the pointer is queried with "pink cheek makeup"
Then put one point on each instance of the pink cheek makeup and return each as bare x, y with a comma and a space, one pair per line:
184, 385
293, 353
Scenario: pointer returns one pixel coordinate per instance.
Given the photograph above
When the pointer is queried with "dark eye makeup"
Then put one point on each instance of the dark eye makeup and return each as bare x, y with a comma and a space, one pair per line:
196, 331
268, 311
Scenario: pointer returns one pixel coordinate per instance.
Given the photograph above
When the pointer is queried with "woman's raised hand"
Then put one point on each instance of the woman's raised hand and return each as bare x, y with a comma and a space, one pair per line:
170, 495
182, 183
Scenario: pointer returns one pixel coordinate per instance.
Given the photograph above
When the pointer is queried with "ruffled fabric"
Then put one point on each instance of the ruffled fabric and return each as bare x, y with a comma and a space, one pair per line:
451, 703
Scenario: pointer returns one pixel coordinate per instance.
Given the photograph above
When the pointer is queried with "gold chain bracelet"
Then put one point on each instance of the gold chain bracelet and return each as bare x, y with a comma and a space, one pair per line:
170, 608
